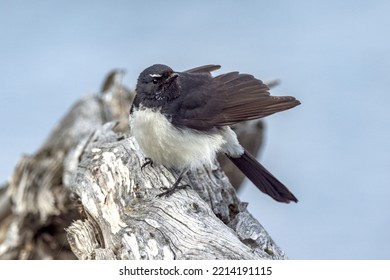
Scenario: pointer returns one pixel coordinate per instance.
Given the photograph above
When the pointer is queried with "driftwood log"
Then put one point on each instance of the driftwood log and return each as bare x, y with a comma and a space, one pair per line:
83, 195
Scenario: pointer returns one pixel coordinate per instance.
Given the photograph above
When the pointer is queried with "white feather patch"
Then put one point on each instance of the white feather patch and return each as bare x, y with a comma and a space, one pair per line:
173, 147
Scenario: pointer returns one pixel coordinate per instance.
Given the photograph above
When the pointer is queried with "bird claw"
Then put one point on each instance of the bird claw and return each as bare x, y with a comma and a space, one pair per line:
147, 162
169, 191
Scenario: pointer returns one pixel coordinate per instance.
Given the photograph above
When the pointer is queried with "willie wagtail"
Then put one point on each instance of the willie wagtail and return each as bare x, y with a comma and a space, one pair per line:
182, 119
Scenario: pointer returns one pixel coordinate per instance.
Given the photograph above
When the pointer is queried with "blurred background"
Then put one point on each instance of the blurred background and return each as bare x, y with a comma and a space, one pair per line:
332, 151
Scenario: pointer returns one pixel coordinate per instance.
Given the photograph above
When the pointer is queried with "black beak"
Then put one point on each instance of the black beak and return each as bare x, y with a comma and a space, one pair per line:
173, 76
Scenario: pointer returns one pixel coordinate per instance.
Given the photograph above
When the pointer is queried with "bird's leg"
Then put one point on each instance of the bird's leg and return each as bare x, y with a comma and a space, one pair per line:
148, 161
175, 186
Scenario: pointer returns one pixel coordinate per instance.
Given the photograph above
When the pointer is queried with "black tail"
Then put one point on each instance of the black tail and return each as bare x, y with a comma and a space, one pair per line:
262, 178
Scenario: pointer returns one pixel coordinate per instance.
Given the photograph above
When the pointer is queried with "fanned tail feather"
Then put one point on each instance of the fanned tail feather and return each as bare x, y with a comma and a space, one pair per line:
262, 178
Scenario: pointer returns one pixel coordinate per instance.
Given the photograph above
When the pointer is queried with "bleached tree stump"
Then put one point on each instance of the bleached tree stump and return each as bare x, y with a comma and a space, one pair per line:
83, 195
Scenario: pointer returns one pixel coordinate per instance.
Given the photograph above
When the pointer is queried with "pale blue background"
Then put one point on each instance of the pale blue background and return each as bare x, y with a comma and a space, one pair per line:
333, 150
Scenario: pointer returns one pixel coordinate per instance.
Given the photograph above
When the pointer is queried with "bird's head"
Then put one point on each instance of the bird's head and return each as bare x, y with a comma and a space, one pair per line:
158, 82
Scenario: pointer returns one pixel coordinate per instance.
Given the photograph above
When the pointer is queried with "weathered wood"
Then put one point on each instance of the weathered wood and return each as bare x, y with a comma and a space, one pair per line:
206, 221
87, 179
40, 205
37, 204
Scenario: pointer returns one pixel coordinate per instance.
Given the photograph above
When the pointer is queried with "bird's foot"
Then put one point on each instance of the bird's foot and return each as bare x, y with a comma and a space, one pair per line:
169, 191
147, 162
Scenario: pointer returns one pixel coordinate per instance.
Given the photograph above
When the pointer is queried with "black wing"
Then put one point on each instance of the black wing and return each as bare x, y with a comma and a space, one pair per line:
228, 99
204, 69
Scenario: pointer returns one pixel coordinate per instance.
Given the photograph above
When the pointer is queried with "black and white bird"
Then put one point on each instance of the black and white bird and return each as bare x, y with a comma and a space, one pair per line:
182, 119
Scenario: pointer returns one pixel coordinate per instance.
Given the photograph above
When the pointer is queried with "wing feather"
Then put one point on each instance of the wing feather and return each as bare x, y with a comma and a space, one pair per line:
204, 69
228, 99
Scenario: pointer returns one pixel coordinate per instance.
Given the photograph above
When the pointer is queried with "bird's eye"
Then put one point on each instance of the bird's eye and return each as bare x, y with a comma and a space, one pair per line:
155, 78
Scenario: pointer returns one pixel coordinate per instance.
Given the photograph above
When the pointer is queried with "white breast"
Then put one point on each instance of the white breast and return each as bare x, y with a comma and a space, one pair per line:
173, 147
